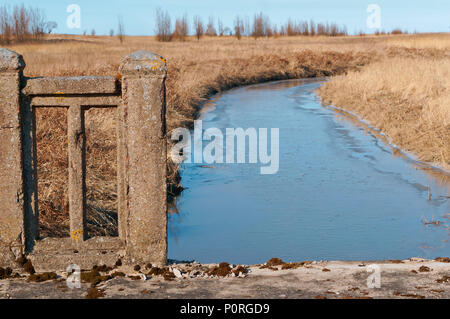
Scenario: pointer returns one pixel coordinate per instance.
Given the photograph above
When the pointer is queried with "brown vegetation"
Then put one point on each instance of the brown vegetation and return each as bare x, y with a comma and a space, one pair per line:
406, 95
198, 26
21, 24
210, 29
120, 29
181, 29
311, 28
163, 26
238, 28
261, 27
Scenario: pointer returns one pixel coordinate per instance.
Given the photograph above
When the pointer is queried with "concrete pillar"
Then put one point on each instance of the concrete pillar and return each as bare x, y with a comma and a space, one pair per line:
143, 94
77, 172
11, 162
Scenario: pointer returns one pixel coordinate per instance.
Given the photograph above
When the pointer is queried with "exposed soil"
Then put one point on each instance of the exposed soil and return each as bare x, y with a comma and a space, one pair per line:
94, 293
222, 270
42, 277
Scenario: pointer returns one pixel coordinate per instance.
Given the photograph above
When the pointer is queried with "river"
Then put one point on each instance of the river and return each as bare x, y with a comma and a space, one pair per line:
339, 193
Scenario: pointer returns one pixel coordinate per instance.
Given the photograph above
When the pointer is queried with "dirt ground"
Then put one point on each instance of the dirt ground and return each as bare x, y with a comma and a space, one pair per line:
412, 278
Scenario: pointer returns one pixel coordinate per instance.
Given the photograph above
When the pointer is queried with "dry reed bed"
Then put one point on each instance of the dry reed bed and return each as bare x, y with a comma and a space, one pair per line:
406, 98
196, 70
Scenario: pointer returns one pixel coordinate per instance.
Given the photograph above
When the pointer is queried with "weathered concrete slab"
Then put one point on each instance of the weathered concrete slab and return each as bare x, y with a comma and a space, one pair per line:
342, 280
63, 100
71, 85
67, 245
51, 254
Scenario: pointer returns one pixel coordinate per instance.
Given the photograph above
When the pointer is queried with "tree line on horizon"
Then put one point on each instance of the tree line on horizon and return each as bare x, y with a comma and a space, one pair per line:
20, 24
260, 26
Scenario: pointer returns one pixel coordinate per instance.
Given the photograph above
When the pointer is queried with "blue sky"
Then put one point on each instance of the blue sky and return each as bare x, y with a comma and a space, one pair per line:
138, 15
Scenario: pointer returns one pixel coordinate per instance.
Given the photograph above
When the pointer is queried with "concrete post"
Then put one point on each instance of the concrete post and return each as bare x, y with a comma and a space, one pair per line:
77, 172
143, 94
11, 162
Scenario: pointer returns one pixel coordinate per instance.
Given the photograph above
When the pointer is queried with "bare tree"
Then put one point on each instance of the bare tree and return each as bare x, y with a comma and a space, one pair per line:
303, 28
247, 30
93, 32
238, 27
37, 23
260, 23
198, 26
290, 28
269, 30
267, 26
22, 24
120, 29
111, 32
163, 26
210, 30
275, 31
312, 28
51, 25
6, 30
181, 28
320, 29
220, 26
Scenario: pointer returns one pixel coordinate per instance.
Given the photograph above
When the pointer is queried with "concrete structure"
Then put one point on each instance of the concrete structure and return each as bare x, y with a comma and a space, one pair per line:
141, 164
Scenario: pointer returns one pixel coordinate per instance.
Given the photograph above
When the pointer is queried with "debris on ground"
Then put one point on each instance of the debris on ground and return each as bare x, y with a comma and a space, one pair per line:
42, 277
222, 270
94, 293
424, 269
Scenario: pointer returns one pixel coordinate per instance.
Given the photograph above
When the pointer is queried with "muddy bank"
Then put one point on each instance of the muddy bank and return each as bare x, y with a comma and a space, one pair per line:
411, 279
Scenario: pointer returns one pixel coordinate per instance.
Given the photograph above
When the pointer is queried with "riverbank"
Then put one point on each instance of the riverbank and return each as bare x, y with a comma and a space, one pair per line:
405, 279
407, 98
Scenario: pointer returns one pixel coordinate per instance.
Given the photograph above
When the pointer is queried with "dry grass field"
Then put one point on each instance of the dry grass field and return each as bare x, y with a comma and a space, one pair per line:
399, 83
406, 96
